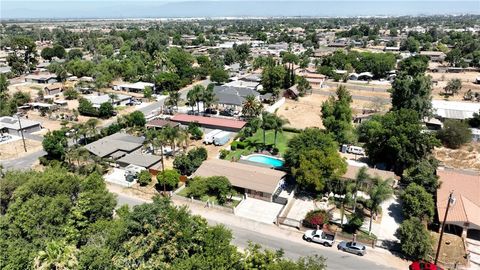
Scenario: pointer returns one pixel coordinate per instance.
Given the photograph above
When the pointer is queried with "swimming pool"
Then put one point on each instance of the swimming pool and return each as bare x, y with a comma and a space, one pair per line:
272, 161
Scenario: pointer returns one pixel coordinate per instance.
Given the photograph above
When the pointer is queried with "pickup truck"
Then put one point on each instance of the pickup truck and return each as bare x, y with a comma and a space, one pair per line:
319, 236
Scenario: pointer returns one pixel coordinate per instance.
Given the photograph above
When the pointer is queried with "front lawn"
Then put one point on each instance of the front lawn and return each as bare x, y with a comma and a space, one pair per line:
205, 198
257, 139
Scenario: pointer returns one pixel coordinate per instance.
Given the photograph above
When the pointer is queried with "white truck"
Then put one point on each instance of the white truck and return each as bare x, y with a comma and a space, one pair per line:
319, 236
210, 137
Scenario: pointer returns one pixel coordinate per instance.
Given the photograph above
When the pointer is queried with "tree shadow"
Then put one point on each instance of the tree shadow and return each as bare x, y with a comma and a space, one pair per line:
394, 248
395, 211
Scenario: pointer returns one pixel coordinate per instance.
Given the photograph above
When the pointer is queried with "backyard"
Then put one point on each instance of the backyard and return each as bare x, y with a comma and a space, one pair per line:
250, 143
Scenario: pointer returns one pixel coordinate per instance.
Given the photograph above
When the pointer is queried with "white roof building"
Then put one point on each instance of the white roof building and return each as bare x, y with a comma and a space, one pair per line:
454, 109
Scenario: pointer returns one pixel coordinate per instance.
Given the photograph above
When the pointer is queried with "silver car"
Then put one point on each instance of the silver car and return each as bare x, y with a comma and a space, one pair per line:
352, 247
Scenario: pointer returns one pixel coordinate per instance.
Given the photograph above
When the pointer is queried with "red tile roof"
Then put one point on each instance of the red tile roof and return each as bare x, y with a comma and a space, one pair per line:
466, 191
209, 121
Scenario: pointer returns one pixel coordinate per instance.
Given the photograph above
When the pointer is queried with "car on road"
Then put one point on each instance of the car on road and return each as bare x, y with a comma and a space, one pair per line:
422, 265
352, 247
319, 236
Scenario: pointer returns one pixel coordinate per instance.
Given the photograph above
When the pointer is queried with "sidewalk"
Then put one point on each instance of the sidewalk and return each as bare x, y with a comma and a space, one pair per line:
377, 255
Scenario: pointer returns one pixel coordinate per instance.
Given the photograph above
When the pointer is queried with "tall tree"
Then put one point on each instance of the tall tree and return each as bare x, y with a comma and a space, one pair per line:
396, 139
251, 107
411, 89
415, 239
417, 202
337, 116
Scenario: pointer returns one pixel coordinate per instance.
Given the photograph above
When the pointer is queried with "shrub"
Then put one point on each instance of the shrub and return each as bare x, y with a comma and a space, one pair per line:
355, 221
242, 145
224, 153
217, 186
144, 178
316, 217
167, 179
275, 151
455, 133
233, 146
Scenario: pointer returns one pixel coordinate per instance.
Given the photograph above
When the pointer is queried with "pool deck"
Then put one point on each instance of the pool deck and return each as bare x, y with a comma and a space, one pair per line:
245, 160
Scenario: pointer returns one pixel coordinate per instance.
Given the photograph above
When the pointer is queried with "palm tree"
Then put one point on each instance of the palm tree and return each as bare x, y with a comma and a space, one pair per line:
251, 107
380, 191
91, 126
266, 124
160, 141
277, 125
362, 177
209, 97
199, 93
192, 98
183, 139
150, 137
171, 133
173, 98
57, 255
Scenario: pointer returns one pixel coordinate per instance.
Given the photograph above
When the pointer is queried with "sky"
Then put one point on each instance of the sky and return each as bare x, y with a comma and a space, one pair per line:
64, 9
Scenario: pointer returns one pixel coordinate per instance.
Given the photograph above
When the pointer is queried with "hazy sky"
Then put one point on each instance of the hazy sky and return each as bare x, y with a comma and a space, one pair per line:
227, 8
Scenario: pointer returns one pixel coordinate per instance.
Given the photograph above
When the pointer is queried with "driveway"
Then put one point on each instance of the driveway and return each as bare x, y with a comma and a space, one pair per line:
258, 210
117, 176
391, 219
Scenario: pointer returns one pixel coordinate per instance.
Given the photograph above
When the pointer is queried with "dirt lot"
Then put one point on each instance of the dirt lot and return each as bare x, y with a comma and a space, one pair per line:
306, 112
467, 157
442, 79
15, 149
452, 250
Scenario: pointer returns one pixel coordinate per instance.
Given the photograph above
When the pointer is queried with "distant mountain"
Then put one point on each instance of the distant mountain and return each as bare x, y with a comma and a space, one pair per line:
222, 8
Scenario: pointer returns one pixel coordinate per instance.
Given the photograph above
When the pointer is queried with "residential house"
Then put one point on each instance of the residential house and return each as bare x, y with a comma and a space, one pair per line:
115, 146
137, 87
160, 123
464, 212
116, 99
53, 89
41, 78
434, 56
454, 109
233, 96
251, 180
210, 122
152, 163
16, 126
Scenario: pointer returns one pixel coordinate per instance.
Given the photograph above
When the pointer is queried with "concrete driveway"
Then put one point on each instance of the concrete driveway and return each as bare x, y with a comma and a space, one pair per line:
391, 219
258, 210
117, 176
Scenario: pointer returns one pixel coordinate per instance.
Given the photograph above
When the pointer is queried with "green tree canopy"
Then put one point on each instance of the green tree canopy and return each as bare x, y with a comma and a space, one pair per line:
55, 144
415, 240
337, 116
417, 202
396, 139
423, 173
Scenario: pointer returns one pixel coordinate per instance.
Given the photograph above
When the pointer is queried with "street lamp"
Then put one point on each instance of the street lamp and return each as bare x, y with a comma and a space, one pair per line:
451, 200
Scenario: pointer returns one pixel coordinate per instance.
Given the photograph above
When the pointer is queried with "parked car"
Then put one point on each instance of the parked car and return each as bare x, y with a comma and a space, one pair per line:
319, 236
211, 111
227, 112
352, 247
421, 265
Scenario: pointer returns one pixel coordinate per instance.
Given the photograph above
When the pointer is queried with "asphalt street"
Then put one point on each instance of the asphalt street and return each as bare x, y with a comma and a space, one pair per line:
292, 250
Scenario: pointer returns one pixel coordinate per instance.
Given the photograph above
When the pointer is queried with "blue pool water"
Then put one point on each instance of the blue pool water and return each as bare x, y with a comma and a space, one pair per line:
274, 162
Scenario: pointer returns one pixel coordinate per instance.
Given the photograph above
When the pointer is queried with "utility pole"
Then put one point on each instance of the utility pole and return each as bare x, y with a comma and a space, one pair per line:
450, 201
21, 131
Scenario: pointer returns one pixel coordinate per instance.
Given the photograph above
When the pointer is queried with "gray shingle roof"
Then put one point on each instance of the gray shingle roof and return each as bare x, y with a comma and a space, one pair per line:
230, 95
113, 143
140, 160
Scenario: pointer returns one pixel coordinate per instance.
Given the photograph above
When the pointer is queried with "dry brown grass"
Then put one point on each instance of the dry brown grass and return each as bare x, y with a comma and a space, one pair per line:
466, 157
452, 250
15, 149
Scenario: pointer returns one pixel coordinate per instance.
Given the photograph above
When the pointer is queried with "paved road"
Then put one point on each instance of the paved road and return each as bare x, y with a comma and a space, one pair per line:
292, 249
23, 163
